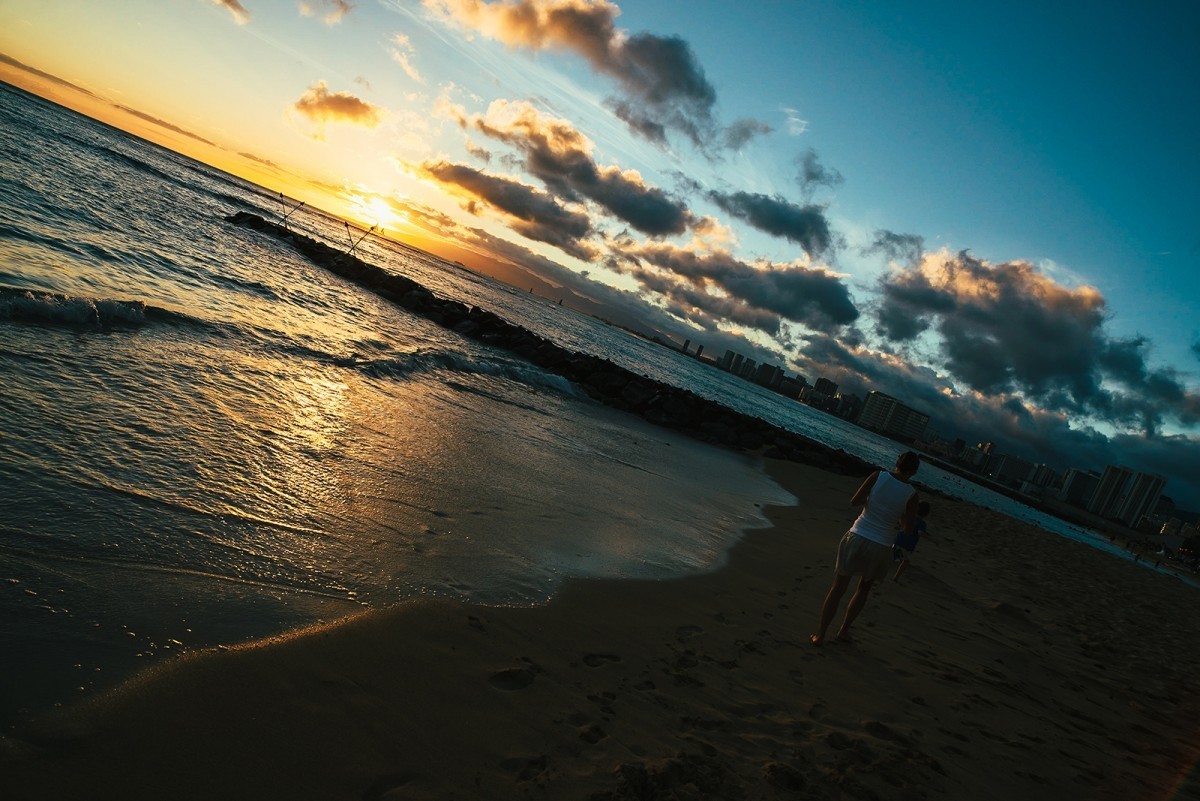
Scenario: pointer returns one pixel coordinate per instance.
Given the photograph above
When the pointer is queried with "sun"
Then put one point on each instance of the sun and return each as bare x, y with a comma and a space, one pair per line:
375, 210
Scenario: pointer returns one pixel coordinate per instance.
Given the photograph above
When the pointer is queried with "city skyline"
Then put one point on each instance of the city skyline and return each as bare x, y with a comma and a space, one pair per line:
991, 215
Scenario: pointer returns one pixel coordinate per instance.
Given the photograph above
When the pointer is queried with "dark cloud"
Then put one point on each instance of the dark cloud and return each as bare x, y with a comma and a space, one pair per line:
531, 212
481, 153
813, 297
639, 122
741, 132
804, 225
812, 174
558, 155
905, 248
663, 84
1006, 328
1196, 349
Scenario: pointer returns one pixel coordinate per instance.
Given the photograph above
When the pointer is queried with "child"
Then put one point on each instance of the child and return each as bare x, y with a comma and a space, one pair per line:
906, 541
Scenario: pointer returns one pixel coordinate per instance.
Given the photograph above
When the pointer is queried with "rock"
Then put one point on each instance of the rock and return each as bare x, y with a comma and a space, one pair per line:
416, 299
638, 393
467, 328
750, 440
609, 383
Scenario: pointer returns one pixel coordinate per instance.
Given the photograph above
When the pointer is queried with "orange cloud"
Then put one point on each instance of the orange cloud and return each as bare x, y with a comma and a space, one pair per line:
240, 14
321, 106
585, 26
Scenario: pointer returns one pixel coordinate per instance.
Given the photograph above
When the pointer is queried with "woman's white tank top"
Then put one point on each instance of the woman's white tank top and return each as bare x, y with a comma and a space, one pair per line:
880, 518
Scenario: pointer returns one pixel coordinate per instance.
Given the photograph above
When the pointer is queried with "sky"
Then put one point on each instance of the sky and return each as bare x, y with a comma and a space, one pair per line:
989, 211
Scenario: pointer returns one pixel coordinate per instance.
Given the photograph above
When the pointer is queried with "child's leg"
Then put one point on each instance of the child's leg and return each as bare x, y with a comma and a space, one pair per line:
900, 569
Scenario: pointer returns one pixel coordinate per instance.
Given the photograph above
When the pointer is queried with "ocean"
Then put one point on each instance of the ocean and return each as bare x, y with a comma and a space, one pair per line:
205, 439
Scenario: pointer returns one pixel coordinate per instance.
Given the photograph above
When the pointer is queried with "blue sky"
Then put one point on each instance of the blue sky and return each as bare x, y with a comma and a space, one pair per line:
992, 212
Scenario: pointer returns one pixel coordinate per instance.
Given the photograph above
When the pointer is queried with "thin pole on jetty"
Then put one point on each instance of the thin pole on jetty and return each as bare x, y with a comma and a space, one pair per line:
283, 221
360, 239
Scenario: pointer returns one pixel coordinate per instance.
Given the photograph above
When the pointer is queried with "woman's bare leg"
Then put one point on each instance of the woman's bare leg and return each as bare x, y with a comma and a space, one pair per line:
855, 606
829, 608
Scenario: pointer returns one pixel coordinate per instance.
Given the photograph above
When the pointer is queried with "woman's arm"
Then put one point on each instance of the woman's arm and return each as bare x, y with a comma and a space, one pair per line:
864, 491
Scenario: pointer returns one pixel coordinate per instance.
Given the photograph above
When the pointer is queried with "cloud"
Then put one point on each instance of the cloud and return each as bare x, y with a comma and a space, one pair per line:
530, 211
322, 106
164, 124
479, 152
904, 248
804, 225
795, 125
12, 62
663, 85
1196, 349
813, 174
402, 49
240, 15
742, 132
1004, 329
335, 10
1043, 436
757, 296
260, 160
560, 156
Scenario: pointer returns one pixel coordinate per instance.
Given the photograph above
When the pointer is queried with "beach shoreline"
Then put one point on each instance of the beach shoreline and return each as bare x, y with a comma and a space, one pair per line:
1009, 662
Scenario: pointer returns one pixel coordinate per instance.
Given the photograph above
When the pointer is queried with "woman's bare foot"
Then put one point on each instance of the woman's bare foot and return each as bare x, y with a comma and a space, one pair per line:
816, 639
844, 636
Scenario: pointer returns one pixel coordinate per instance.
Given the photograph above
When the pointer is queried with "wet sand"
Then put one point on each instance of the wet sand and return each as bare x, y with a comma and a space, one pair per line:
1007, 663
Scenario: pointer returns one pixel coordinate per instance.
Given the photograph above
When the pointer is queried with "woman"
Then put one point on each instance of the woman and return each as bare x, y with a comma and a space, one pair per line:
888, 501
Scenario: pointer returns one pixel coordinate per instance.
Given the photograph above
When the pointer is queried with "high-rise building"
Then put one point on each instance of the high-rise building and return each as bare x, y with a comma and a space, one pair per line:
1079, 486
1107, 498
768, 375
1043, 475
826, 387
890, 417
1141, 498
1009, 469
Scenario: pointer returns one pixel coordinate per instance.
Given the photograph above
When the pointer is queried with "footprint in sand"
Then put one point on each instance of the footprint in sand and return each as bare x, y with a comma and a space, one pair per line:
512, 679
687, 632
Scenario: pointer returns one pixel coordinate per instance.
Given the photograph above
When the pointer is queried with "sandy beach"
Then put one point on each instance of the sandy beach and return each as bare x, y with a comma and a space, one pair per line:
1007, 663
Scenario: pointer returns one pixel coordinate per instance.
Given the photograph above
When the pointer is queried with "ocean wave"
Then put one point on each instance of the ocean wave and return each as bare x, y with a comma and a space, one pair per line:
441, 361
51, 308
76, 311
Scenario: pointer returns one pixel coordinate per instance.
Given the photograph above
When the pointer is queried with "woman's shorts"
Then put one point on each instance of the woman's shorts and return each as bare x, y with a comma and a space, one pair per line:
859, 556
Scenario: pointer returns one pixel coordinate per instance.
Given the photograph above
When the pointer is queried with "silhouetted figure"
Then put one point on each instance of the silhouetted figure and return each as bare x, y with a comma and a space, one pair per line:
889, 502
